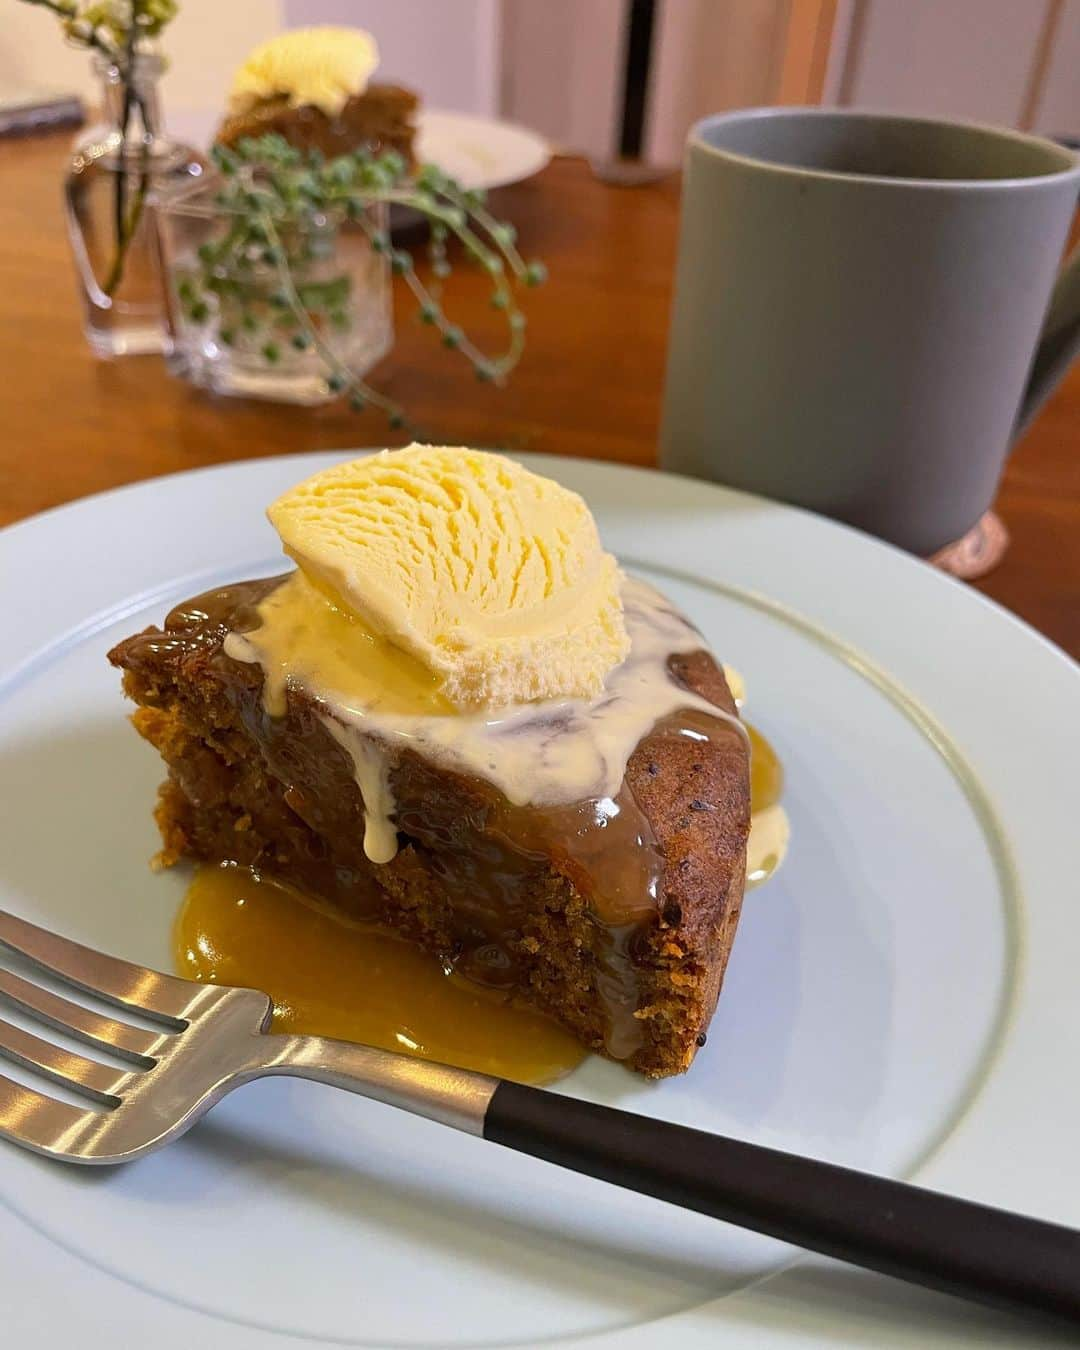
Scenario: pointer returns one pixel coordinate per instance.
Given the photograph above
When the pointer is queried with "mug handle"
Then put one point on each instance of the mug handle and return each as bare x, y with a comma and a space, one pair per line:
1059, 344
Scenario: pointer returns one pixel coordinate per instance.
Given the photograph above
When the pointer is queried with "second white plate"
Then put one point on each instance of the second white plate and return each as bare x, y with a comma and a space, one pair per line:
480, 152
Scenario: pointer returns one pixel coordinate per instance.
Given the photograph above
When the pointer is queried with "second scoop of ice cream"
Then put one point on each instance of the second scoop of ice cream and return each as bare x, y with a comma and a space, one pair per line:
321, 67
493, 577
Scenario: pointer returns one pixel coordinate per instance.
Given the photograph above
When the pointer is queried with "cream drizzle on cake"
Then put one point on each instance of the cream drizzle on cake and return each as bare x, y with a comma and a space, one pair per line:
537, 754
767, 845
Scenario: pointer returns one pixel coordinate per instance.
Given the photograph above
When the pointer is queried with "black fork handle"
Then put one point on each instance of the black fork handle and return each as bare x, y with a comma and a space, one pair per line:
971, 1250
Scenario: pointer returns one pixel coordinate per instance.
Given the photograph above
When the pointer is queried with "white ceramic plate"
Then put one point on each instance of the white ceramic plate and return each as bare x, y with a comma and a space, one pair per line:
902, 997
480, 152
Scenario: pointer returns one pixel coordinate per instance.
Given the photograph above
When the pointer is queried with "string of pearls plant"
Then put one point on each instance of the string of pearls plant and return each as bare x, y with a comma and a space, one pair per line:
277, 200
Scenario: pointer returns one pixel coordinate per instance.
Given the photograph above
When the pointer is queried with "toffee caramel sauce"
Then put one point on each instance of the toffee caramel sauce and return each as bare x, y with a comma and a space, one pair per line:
329, 975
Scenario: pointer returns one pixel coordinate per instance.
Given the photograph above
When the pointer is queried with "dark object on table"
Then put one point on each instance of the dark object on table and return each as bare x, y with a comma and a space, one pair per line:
25, 111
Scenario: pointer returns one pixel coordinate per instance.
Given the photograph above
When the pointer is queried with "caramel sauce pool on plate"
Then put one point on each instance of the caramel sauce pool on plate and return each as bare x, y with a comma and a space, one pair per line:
329, 975
766, 772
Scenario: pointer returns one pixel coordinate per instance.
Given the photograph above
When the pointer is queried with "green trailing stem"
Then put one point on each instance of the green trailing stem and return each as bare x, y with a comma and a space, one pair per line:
285, 207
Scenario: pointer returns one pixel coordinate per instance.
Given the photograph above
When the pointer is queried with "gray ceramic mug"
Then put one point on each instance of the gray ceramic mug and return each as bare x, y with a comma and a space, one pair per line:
862, 314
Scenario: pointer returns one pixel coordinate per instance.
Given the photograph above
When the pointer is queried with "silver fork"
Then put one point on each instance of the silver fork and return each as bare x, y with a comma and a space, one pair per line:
213, 1039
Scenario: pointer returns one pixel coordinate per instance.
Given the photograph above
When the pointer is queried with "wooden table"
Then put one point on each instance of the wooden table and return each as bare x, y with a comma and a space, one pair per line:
590, 383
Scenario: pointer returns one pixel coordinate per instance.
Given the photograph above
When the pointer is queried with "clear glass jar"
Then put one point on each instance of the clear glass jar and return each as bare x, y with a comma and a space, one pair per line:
247, 324
113, 186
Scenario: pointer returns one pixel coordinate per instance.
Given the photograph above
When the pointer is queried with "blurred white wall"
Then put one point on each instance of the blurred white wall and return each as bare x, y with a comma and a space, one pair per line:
1058, 106
562, 70
708, 57
205, 44
1014, 62
33, 54
992, 60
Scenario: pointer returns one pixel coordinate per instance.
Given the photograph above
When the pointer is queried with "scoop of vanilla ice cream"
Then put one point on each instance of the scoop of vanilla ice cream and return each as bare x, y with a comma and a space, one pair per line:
321, 67
492, 576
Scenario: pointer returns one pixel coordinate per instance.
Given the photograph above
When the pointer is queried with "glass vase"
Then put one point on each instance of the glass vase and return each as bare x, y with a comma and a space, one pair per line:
121, 169
258, 321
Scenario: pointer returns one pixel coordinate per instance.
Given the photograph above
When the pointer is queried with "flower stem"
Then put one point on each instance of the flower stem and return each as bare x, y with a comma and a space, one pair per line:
127, 225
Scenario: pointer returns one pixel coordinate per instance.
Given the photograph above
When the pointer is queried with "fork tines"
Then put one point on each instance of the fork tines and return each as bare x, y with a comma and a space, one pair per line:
34, 1118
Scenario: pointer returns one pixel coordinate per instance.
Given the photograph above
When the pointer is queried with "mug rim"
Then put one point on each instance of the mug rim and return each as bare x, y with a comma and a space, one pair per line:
1070, 160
